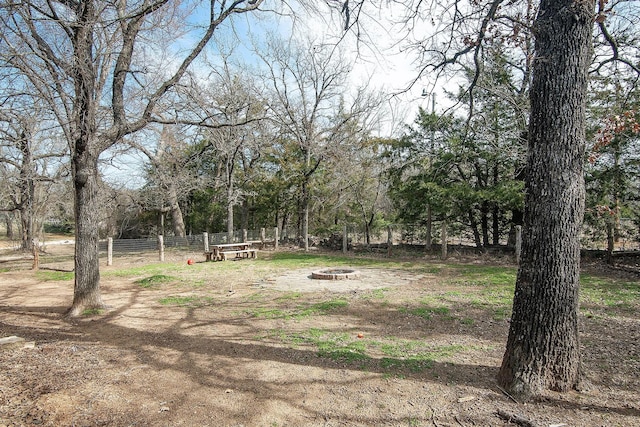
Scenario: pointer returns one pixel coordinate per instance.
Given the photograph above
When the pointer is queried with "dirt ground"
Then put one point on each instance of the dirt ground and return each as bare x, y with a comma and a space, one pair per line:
217, 363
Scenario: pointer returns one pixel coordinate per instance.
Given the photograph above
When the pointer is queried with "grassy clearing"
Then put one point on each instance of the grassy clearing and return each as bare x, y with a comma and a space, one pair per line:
467, 294
391, 354
610, 293
50, 275
186, 301
155, 280
300, 312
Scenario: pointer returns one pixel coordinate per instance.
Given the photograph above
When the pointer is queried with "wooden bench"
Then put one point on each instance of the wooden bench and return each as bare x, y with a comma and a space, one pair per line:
241, 253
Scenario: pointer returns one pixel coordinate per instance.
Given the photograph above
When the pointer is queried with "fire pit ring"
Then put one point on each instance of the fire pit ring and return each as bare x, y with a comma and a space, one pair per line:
335, 274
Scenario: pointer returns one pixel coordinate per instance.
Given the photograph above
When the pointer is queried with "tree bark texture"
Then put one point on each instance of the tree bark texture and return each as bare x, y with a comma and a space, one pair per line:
543, 350
176, 213
27, 194
86, 294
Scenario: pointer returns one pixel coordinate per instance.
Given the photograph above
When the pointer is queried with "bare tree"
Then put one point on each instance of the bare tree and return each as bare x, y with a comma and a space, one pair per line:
231, 134
28, 159
99, 65
169, 175
310, 93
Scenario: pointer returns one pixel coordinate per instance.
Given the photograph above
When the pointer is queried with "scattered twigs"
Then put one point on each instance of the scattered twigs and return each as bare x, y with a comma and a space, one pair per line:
458, 421
514, 418
433, 417
506, 393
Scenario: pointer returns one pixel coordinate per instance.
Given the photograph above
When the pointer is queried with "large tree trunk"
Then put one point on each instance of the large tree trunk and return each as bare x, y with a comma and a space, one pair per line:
230, 222
543, 350
176, 213
84, 164
86, 293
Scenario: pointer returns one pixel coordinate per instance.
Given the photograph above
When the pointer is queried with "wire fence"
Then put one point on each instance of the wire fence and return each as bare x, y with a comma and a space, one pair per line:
189, 242
356, 237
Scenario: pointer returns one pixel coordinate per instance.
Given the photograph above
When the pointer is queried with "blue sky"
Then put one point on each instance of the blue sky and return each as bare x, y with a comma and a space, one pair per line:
382, 65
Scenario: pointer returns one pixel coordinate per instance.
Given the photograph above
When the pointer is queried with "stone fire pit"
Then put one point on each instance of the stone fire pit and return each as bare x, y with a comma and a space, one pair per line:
335, 274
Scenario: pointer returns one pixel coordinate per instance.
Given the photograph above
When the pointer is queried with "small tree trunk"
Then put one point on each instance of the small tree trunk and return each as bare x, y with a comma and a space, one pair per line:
444, 249
345, 240
305, 215
484, 223
610, 242
8, 218
495, 218
428, 232
230, 214
474, 229
36, 255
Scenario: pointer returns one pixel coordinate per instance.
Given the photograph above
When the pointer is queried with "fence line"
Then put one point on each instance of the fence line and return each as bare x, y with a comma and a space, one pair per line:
395, 234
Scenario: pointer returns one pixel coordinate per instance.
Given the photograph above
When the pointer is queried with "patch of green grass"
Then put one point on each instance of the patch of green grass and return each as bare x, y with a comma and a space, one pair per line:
289, 296
48, 275
258, 296
376, 293
327, 306
609, 293
4, 269
335, 346
269, 313
300, 312
182, 301
399, 355
93, 312
426, 312
155, 280
483, 275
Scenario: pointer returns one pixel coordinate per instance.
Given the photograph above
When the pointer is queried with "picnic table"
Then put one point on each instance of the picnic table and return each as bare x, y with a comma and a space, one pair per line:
222, 252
